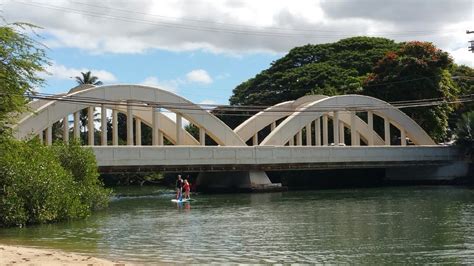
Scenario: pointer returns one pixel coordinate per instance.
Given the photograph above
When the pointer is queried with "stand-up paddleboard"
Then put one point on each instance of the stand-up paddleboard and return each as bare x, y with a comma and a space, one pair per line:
182, 200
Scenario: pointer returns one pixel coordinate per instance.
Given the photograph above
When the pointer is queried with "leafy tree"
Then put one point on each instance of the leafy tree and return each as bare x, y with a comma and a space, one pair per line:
465, 133
21, 58
418, 70
88, 78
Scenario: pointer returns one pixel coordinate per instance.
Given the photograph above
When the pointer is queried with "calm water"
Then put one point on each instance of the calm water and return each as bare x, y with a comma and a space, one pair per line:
381, 225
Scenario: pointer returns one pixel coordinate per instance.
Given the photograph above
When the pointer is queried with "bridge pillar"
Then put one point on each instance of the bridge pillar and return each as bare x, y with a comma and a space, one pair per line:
370, 122
386, 125
317, 132
325, 130
138, 131
155, 126
255, 139
77, 133
179, 129
308, 135
66, 129
103, 125
403, 137
335, 127
291, 142
354, 134
41, 136
273, 126
114, 127
341, 133
244, 181
299, 138
202, 136
49, 136
129, 124
90, 125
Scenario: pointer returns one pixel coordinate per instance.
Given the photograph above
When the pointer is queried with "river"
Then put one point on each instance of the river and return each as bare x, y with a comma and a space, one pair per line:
371, 226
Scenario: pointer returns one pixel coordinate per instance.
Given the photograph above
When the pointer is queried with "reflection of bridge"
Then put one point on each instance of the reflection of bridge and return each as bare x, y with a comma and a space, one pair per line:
331, 129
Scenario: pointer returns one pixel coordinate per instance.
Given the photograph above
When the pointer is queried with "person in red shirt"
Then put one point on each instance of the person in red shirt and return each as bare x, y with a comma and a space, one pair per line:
186, 188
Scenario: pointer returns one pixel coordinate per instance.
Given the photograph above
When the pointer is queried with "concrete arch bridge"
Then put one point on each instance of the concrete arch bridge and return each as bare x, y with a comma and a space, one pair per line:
312, 132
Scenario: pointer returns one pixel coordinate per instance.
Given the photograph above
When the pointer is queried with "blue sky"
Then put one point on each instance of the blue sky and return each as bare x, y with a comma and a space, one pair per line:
202, 49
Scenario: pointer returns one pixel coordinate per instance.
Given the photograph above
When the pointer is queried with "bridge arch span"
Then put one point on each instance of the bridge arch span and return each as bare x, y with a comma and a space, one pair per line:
47, 114
305, 115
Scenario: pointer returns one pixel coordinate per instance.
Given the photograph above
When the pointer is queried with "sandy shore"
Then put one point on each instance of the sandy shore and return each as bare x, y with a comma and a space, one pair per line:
15, 255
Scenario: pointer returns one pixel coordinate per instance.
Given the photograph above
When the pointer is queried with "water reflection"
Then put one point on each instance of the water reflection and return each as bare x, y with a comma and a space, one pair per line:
383, 225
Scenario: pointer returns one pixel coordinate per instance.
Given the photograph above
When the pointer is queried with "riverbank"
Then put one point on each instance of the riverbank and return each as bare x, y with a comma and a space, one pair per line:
16, 255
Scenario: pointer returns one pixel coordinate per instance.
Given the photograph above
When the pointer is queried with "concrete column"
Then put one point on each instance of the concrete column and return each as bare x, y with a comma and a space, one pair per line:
66, 129
273, 126
292, 141
255, 139
341, 132
76, 129
114, 127
335, 127
138, 131
160, 138
308, 135
202, 136
317, 132
357, 140
155, 127
103, 125
403, 137
41, 137
386, 126
325, 130
129, 124
370, 122
179, 129
49, 136
90, 125
299, 138
354, 134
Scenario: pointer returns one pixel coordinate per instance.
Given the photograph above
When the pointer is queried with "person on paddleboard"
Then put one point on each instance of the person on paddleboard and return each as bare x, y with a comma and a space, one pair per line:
179, 188
186, 188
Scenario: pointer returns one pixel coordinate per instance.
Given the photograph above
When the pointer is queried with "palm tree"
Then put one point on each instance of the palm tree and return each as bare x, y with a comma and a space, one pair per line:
87, 78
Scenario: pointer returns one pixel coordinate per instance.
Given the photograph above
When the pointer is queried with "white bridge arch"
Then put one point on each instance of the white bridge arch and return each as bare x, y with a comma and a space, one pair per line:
308, 114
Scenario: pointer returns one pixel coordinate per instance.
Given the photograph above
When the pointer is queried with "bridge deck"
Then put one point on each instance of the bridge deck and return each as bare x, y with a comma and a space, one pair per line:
216, 158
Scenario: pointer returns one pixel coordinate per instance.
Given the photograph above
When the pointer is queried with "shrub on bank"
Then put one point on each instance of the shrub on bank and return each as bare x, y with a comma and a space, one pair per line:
40, 184
465, 133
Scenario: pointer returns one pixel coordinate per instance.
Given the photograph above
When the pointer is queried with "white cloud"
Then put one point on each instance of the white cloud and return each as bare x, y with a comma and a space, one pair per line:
239, 26
199, 76
168, 85
58, 71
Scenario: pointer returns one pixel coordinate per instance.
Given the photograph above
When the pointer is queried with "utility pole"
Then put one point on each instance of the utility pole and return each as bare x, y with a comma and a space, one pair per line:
471, 46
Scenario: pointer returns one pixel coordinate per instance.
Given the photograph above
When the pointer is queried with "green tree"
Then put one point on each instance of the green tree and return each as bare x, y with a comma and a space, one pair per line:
88, 78
465, 133
21, 58
418, 70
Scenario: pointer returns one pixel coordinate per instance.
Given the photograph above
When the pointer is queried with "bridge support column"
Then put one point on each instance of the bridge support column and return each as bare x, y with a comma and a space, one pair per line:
273, 126
155, 126
66, 129
299, 138
179, 129
317, 132
308, 135
335, 127
386, 126
341, 133
255, 139
403, 137
41, 136
354, 134
202, 136
90, 125
114, 127
370, 122
103, 125
129, 124
325, 130
49, 136
292, 141
77, 133
138, 133
242, 181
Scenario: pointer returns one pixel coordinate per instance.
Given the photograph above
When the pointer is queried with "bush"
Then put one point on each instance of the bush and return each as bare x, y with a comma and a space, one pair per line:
38, 185
465, 133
